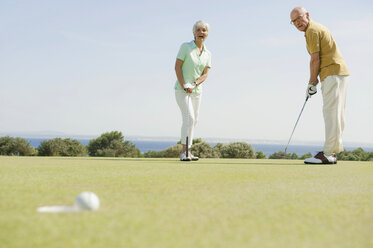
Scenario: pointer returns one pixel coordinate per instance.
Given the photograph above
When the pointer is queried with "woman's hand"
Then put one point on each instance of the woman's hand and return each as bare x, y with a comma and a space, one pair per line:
188, 90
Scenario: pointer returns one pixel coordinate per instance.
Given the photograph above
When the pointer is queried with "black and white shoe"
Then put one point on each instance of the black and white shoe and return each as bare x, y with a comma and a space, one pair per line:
321, 158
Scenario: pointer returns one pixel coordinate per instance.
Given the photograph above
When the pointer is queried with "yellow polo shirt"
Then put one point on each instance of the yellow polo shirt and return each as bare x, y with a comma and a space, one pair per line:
319, 39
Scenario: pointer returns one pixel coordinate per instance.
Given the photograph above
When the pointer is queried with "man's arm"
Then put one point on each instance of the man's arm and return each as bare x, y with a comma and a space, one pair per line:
314, 68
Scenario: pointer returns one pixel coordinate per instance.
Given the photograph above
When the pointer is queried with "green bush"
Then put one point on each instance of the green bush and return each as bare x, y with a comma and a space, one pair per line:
280, 155
307, 155
154, 154
260, 155
15, 146
114, 148
112, 144
130, 150
217, 149
356, 155
199, 148
173, 151
237, 150
195, 141
62, 147
204, 150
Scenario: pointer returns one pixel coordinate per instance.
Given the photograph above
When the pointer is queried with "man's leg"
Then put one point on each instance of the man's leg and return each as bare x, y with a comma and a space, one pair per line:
334, 89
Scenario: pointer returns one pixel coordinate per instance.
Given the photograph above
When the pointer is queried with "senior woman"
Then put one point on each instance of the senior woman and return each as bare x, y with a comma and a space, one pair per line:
192, 65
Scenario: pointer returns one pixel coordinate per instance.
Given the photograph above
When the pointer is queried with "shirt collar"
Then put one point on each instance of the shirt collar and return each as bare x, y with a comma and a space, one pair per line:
194, 46
310, 23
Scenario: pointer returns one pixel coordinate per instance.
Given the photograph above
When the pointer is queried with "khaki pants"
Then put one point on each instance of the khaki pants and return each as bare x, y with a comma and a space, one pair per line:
334, 90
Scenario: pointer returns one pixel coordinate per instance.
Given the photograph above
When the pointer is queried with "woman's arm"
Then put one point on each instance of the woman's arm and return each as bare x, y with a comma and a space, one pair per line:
179, 72
203, 77
179, 75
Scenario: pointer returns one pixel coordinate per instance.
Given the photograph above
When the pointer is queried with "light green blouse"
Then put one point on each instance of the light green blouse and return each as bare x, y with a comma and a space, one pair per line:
193, 65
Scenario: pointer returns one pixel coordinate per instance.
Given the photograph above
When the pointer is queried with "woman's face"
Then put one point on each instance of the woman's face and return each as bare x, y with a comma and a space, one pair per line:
201, 33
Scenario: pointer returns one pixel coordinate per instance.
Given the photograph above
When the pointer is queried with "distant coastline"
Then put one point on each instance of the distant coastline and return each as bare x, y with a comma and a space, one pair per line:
146, 143
53, 134
157, 145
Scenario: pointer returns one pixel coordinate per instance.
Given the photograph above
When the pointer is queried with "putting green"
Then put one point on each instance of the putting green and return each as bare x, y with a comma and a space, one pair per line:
167, 203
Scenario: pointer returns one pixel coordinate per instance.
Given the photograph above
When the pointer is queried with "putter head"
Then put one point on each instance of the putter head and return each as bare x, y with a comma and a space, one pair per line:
283, 154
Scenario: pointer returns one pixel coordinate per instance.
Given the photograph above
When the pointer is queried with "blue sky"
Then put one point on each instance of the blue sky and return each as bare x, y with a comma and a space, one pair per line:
87, 67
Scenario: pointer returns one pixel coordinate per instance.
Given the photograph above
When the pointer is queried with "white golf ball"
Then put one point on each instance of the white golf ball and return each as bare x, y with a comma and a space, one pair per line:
87, 201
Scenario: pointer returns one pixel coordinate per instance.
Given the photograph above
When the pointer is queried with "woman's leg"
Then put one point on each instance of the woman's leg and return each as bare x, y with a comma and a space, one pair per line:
182, 102
189, 111
195, 104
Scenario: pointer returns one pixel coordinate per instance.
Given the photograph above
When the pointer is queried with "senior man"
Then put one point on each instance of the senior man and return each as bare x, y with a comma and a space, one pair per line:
328, 64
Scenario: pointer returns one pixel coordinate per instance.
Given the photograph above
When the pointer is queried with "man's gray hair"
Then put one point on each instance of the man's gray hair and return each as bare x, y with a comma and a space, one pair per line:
300, 10
199, 24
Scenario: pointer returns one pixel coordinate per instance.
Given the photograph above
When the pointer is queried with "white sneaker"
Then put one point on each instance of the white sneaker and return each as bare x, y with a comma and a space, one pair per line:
183, 157
321, 158
194, 158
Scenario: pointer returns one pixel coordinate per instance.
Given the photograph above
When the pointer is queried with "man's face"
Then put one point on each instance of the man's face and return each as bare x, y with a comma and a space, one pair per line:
300, 20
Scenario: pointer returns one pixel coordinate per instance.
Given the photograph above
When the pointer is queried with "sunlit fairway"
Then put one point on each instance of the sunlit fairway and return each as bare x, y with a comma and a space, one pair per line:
166, 203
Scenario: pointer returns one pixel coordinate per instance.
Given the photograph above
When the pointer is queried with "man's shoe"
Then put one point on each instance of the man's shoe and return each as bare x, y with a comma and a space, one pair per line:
321, 158
183, 157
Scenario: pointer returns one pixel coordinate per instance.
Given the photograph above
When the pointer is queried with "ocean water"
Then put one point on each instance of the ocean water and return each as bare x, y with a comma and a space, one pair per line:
267, 149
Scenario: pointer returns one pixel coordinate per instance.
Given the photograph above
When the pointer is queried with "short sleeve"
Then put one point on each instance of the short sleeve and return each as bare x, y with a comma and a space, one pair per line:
209, 61
182, 52
313, 42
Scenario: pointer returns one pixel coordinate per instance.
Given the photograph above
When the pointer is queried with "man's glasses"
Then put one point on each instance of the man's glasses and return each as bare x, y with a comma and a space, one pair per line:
296, 19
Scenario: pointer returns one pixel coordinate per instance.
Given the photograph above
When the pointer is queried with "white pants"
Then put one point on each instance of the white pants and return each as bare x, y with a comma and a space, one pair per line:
189, 112
334, 91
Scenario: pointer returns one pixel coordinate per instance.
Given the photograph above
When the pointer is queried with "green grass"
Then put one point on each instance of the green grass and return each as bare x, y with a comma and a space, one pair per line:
165, 203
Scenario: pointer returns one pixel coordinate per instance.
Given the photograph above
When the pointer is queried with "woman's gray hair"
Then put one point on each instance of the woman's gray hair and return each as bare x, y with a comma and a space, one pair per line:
199, 24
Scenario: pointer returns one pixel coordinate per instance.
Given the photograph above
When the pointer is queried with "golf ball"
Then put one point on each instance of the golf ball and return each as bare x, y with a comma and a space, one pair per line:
87, 201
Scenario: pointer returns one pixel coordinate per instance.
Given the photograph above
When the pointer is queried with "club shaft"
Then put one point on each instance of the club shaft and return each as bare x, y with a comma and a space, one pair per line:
187, 138
296, 123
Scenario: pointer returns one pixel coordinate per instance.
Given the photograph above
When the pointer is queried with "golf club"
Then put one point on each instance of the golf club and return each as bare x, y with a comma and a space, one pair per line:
187, 137
296, 123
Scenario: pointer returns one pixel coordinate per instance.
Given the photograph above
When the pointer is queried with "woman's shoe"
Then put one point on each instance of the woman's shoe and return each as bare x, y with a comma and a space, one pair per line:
183, 157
